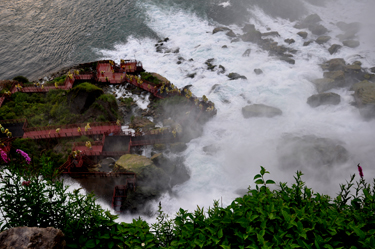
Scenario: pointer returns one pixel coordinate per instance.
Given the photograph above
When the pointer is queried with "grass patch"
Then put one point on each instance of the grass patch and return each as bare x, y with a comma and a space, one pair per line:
108, 98
87, 87
149, 77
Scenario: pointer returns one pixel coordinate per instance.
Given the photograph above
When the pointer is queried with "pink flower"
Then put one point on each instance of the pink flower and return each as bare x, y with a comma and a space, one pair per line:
4, 156
26, 183
360, 171
25, 155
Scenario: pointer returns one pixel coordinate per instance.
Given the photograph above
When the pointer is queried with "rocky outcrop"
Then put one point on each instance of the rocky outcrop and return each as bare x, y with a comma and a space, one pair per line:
351, 43
334, 48
324, 84
220, 29
311, 22
81, 97
260, 110
236, 76
141, 123
178, 147
364, 96
32, 238
322, 39
310, 152
323, 99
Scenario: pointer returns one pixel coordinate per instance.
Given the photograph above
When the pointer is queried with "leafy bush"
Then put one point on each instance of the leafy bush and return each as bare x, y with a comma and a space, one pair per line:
127, 101
21, 79
149, 77
87, 87
108, 98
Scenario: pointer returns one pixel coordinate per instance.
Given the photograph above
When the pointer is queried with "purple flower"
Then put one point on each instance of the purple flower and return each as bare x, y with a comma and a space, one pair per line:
4, 156
360, 171
25, 155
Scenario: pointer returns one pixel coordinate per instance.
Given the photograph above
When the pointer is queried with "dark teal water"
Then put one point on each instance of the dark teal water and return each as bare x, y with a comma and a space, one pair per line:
43, 36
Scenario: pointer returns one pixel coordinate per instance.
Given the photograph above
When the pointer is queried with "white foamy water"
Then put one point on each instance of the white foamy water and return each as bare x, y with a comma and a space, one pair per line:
245, 144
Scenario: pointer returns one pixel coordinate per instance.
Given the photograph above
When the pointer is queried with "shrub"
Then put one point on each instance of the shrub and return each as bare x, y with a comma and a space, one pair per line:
149, 77
21, 79
107, 98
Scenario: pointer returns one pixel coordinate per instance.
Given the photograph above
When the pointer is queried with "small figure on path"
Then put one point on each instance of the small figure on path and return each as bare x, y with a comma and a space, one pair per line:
360, 171
79, 129
88, 145
57, 130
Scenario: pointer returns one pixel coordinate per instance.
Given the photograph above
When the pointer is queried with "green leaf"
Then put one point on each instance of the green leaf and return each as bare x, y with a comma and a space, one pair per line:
259, 181
90, 243
220, 233
225, 246
257, 176
111, 244
270, 182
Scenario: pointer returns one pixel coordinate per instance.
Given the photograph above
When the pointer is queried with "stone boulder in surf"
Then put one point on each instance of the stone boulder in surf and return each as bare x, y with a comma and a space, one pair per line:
364, 96
260, 110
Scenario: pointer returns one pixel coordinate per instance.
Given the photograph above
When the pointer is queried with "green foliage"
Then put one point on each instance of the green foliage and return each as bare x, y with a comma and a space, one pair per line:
87, 87
127, 101
289, 217
59, 80
107, 98
172, 101
149, 77
21, 79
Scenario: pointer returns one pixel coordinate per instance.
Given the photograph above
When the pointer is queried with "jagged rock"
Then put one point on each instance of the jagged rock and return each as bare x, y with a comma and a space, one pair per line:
32, 238
221, 69
248, 27
318, 29
260, 110
219, 29
231, 34
191, 75
324, 99
209, 64
235, 76
288, 59
272, 33
334, 64
351, 43
322, 39
310, 152
258, 71
81, 97
334, 75
334, 48
364, 96
159, 147
211, 149
307, 43
324, 84
246, 53
289, 41
251, 34
303, 34
178, 147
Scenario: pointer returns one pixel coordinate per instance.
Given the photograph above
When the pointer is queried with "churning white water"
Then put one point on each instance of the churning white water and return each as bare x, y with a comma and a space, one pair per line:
245, 144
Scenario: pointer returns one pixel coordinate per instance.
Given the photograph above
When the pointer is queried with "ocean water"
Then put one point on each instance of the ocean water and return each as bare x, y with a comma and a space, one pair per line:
133, 28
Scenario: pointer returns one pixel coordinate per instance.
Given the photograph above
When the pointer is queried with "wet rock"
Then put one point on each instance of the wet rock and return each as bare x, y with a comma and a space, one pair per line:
221, 69
303, 34
307, 43
231, 34
334, 48
334, 75
351, 43
210, 149
224, 46
159, 147
372, 69
312, 19
334, 64
248, 27
235, 76
220, 29
364, 96
324, 84
288, 59
289, 41
310, 152
141, 123
260, 110
215, 88
246, 53
322, 39
32, 238
251, 34
352, 28
178, 147
258, 71
272, 34
324, 99
191, 75
209, 64
318, 29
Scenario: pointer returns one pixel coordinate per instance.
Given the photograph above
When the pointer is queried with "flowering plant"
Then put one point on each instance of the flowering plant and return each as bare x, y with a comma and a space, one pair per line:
4, 156
25, 155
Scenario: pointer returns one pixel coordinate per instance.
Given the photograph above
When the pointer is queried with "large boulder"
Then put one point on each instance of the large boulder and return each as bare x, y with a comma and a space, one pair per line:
364, 96
323, 99
322, 39
236, 76
334, 75
260, 110
220, 29
81, 97
141, 123
334, 48
351, 43
32, 238
310, 152
334, 64
303, 34
324, 84
318, 29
